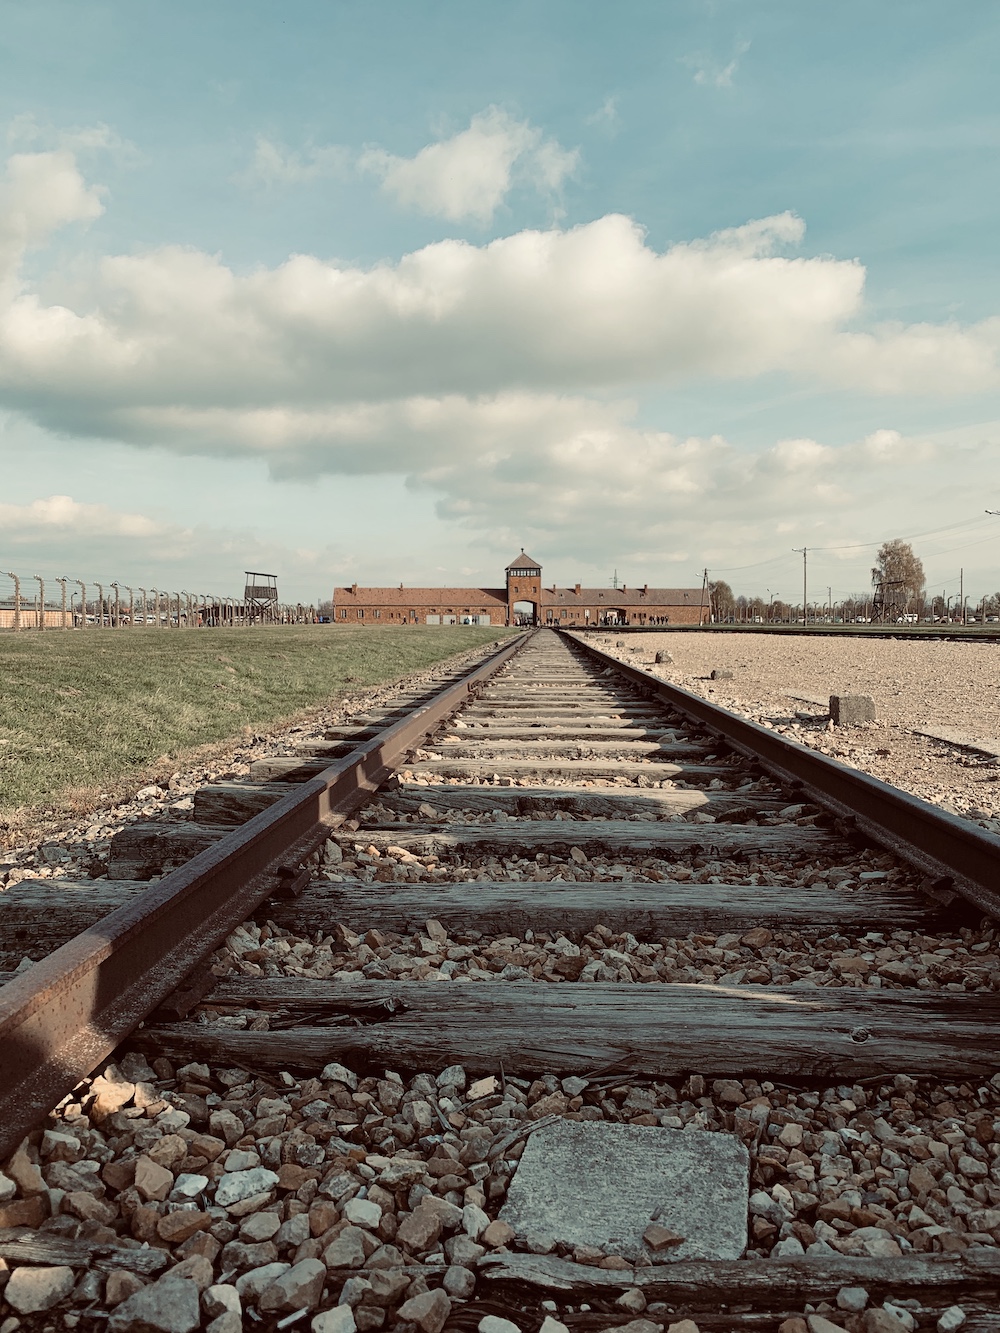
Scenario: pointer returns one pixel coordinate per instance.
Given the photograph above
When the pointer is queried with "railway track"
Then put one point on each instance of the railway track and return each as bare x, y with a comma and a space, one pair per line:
558, 892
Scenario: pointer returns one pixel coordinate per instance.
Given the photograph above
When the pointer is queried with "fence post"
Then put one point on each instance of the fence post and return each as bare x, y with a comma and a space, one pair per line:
40, 614
62, 584
17, 599
83, 602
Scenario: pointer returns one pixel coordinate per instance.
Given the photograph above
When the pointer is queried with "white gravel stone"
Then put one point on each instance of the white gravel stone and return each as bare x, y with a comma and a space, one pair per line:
238, 1185
335, 1073
251, 1285
852, 1299
951, 1320
220, 1298
31, 1290
169, 1306
338, 1320
363, 1213
188, 1186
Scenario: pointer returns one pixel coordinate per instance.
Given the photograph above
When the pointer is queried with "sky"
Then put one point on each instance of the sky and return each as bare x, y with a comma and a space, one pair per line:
373, 291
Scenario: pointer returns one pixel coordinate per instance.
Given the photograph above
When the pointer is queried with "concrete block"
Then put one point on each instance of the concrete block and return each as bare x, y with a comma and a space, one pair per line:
662, 657
721, 675
848, 710
587, 1183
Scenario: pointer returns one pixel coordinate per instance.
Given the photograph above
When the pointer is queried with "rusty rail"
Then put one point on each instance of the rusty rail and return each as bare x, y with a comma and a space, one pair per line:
953, 852
61, 1019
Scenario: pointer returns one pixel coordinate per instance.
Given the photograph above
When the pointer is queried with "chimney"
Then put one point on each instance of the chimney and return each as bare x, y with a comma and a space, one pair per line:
576, 589
400, 587
554, 586
354, 587
645, 588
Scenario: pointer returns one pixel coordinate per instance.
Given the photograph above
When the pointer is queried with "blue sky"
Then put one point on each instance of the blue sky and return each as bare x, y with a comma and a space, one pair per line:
534, 296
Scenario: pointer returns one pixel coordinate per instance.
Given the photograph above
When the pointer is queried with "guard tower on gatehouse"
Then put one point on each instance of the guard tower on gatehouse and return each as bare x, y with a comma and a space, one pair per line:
524, 591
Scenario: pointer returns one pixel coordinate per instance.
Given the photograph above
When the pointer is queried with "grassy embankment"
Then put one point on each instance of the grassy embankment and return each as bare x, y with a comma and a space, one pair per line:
84, 712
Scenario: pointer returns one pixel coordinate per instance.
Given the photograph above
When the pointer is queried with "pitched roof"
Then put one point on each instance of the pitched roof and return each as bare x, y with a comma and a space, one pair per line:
454, 599
621, 597
522, 561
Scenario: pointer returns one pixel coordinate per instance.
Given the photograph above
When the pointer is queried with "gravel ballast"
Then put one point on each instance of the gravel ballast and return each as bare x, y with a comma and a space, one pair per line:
915, 685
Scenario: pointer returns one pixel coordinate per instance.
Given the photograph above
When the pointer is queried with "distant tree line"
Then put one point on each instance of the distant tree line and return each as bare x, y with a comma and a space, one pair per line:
899, 588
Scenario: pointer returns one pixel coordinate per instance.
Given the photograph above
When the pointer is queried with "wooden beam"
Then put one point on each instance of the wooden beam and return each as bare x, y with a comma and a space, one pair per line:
287, 770
232, 803
479, 746
537, 731
21, 1245
660, 1030
603, 801
651, 772
936, 1280
648, 911
573, 724
600, 837
567, 711
38, 916
140, 851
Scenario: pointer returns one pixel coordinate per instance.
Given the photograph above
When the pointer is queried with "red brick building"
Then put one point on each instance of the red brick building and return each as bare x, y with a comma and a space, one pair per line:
524, 601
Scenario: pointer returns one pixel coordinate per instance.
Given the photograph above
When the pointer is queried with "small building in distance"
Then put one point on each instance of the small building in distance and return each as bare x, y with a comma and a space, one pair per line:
524, 601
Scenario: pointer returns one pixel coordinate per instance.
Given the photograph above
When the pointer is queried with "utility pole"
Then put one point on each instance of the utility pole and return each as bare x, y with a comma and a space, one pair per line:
704, 585
804, 552
961, 593
829, 602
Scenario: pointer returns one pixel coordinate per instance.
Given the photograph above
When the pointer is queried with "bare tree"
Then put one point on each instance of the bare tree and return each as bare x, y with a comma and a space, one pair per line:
899, 573
722, 600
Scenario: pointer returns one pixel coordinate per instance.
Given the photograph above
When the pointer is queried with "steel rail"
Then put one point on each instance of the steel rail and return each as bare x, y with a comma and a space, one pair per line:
953, 852
68, 1013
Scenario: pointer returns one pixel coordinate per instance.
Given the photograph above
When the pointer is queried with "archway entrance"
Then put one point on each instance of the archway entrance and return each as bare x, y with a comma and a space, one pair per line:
614, 615
524, 614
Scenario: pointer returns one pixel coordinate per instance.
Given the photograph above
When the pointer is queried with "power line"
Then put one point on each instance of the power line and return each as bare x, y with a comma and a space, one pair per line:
857, 546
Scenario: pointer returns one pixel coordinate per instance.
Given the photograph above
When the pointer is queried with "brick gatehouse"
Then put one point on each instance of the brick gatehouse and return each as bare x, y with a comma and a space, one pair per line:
524, 601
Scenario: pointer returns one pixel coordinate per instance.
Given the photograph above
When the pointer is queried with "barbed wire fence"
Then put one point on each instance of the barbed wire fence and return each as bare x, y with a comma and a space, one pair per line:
84, 605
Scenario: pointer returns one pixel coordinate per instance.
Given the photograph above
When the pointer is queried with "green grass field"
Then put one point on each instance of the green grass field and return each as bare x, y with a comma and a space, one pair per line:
81, 711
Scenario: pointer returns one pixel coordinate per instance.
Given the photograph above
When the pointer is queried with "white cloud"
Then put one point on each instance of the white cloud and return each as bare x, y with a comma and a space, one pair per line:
470, 175
708, 73
39, 193
28, 132
274, 164
171, 332
58, 536
61, 514
606, 114
475, 371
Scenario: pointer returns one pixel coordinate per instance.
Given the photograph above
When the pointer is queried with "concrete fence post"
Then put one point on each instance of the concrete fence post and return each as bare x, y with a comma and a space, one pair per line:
17, 599
40, 614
